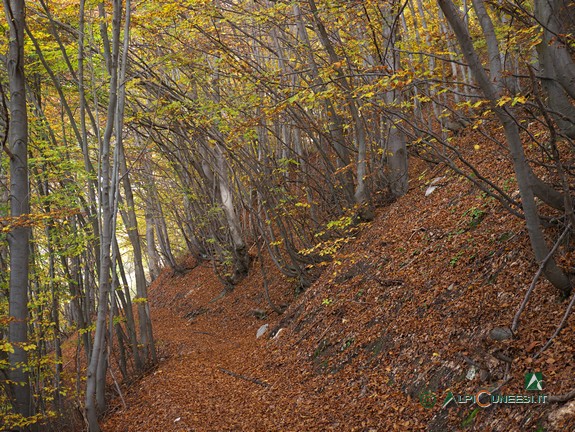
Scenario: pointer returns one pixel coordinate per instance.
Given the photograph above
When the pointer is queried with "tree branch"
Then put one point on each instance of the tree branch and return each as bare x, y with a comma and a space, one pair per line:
536, 278
246, 378
4, 116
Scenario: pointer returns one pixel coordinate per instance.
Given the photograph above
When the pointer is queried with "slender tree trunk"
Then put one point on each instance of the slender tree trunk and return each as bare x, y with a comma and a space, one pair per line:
131, 224
336, 123
396, 149
4, 204
153, 258
122, 361
240, 250
96, 377
361, 194
75, 287
557, 68
554, 16
162, 232
241, 259
129, 216
92, 184
127, 305
19, 237
495, 66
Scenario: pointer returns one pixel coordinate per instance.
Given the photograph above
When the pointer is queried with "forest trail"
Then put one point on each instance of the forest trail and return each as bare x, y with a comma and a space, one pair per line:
202, 342
215, 375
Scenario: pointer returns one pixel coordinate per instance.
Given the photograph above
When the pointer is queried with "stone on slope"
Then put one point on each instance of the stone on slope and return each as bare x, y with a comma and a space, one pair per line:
262, 330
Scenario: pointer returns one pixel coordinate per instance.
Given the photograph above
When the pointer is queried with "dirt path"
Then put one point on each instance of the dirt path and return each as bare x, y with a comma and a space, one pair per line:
203, 380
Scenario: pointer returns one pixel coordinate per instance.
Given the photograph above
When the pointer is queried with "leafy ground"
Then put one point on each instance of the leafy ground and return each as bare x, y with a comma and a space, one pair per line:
405, 309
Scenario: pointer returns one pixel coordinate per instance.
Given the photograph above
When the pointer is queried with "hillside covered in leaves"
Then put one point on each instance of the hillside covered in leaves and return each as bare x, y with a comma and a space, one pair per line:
408, 306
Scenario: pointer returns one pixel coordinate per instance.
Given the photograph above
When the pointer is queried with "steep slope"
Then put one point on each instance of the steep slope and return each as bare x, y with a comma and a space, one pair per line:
409, 311
404, 310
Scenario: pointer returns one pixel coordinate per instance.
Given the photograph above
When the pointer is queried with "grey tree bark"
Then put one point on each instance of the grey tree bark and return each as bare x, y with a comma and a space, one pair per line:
555, 16
557, 68
152, 253
396, 150
96, 373
129, 215
242, 259
4, 203
493, 51
19, 237
130, 221
336, 123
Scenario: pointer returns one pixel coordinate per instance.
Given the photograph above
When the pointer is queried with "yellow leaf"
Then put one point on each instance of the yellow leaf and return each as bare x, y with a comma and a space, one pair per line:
503, 100
518, 99
6, 347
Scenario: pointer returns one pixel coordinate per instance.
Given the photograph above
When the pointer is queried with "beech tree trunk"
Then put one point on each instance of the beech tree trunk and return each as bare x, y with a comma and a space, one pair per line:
129, 215
556, 17
495, 66
361, 193
336, 123
556, 64
153, 257
19, 237
130, 221
396, 150
97, 367
241, 257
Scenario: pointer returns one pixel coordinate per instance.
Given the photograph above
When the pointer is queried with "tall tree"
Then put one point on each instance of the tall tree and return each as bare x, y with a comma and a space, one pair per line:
556, 62
19, 237
108, 187
395, 146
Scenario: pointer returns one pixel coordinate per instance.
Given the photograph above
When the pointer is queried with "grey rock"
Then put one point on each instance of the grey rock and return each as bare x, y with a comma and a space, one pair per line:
260, 314
471, 373
261, 331
501, 333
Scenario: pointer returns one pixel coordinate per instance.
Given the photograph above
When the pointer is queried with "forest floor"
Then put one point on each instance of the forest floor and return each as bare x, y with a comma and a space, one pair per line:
404, 310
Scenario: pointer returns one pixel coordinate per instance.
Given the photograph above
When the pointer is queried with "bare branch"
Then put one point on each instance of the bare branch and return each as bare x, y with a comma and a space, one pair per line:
536, 278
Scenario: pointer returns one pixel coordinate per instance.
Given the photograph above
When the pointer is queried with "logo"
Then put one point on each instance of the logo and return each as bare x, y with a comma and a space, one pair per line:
427, 399
448, 399
485, 398
534, 381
